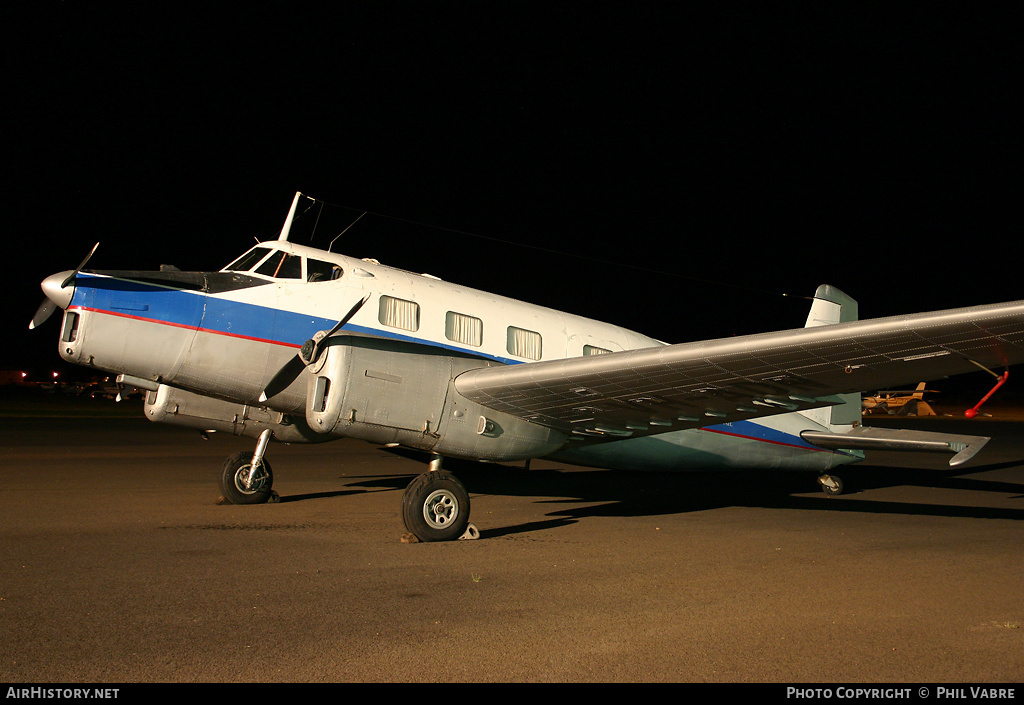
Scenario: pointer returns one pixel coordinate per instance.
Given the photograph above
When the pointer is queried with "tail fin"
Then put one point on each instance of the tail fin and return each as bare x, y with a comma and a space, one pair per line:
833, 306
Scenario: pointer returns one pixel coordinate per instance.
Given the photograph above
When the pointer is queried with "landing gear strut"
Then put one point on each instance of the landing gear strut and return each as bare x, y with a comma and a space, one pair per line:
247, 478
435, 506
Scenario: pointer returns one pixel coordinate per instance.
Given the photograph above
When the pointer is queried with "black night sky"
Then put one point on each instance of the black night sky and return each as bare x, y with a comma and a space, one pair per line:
669, 171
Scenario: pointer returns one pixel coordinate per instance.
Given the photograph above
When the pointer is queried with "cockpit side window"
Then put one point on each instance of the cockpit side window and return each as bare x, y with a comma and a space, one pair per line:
318, 271
248, 260
282, 265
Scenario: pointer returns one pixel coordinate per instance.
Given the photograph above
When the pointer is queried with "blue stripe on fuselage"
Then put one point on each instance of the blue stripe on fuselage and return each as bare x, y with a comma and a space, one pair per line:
123, 297
213, 314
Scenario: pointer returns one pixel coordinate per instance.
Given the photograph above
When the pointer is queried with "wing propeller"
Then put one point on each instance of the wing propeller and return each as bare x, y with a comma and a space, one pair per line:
42, 313
308, 354
56, 297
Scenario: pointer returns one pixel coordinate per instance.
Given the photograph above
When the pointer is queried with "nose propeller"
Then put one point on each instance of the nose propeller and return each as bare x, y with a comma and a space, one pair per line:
307, 355
58, 293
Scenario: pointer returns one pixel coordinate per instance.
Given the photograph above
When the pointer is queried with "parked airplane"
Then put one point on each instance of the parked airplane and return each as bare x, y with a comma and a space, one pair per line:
902, 402
301, 345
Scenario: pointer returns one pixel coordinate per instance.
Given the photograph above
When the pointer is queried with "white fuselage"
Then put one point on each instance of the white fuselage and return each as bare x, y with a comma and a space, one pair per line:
226, 339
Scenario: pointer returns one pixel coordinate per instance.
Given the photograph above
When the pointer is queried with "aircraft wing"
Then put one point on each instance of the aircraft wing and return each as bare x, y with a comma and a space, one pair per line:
654, 390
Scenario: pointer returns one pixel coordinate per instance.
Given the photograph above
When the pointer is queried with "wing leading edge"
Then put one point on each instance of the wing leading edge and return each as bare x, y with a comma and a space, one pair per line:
690, 385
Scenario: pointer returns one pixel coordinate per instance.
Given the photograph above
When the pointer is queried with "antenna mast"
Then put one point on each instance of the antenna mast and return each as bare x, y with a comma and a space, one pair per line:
291, 216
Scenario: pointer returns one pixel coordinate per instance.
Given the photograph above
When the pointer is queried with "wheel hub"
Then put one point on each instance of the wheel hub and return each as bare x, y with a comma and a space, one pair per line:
440, 509
242, 483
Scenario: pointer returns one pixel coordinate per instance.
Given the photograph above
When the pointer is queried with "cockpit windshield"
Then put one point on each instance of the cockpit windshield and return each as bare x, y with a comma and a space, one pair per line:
279, 264
248, 260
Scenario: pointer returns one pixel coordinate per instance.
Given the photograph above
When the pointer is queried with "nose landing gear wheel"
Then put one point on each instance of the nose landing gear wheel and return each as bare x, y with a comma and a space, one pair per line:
435, 507
235, 484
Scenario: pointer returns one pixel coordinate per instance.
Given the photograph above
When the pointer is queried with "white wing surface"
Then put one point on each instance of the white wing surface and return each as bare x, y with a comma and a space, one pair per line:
689, 385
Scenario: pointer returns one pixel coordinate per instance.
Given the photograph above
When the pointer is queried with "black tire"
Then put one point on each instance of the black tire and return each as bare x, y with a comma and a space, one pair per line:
233, 489
435, 507
833, 491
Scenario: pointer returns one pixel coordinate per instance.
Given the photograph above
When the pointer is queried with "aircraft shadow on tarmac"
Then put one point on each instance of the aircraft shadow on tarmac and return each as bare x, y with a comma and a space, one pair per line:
624, 494
319, 495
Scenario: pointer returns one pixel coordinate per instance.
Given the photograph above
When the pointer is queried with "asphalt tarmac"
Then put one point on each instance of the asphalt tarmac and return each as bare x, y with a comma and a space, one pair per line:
119, 566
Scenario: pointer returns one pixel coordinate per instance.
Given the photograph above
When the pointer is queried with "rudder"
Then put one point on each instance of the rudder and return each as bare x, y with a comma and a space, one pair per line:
832, 306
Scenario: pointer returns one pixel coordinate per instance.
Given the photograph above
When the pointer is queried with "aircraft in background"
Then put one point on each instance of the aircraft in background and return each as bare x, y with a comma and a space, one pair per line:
903, 403
299, 344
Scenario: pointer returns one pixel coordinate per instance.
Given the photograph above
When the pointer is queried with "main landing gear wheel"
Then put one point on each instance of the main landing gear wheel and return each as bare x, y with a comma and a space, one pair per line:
435, 507
239, 485
831, 485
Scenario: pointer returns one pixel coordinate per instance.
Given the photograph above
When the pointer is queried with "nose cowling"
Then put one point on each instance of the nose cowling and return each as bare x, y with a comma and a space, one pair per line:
60, 288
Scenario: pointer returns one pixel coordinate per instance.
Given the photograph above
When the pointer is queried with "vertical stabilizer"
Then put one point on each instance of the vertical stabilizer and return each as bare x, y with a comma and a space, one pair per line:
833, 306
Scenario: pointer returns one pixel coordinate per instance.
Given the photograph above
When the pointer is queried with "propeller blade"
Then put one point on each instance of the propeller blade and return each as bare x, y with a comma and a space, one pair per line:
293, 368
80, 267
42, 313
319, 346
285, 376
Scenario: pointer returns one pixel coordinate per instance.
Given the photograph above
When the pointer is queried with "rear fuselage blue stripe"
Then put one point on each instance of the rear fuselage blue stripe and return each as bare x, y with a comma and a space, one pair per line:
758, 432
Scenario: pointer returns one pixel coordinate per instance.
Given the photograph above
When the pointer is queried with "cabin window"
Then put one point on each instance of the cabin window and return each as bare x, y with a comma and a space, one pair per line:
460, 328
594, 350
282, 265
524, 343
319, 271
399, 313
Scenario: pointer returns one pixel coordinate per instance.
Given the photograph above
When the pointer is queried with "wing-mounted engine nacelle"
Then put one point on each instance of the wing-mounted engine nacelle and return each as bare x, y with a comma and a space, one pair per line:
476, 432
394, 393
181, 408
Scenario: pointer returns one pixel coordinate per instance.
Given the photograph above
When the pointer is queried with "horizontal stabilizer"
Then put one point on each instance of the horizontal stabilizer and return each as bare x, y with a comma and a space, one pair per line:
963, 447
